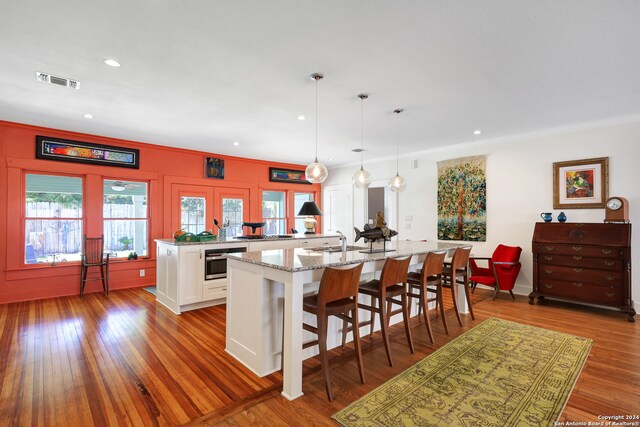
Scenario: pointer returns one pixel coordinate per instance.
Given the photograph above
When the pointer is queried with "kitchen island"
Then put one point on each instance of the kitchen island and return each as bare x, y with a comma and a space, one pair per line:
182, 280
264, 285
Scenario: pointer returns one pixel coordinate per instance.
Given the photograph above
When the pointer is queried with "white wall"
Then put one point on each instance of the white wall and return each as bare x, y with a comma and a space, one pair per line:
519, 186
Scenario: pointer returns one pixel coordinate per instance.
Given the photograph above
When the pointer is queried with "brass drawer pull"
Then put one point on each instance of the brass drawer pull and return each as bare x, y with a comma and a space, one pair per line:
548, 258
576, 248
610, 294
577, 284
609, 263
610, 277
549, 248
577, 257
548, 270
607, 251
548, 286
577, 270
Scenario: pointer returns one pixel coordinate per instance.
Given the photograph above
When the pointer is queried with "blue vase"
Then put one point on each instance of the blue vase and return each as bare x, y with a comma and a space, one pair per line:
562, 217
546, 216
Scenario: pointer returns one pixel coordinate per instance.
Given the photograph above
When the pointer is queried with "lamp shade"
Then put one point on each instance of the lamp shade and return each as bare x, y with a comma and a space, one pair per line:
309, 208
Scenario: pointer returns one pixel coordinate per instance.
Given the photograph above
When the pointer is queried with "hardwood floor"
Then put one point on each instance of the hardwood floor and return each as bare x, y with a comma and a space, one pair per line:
124, 360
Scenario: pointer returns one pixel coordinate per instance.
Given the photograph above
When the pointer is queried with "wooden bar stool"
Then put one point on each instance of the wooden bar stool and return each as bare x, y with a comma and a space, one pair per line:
391, 284
429, 279
94, 256
337, 296
457, 272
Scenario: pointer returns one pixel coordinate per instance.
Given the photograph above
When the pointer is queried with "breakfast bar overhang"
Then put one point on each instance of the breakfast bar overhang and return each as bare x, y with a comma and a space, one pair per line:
264, 284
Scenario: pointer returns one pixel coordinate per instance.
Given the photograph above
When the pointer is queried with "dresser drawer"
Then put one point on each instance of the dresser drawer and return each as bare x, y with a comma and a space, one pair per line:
579, 275
579, 250
615, 235
582, 261
582, 292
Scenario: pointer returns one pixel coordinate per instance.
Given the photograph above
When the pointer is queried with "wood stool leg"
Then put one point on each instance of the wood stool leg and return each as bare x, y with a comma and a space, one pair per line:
423, 302
356, 343
453, 284
407, 326
384, 327
373, 316
465, 283
440, 299
324, 357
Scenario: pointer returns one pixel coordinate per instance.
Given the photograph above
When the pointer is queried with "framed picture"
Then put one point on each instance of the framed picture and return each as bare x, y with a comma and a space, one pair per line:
213, 168
581, 184
65, 150
287, 175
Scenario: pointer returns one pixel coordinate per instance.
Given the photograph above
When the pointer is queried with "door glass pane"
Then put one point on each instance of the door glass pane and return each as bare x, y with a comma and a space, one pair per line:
232, 215
299, 199
274, 212
192, 217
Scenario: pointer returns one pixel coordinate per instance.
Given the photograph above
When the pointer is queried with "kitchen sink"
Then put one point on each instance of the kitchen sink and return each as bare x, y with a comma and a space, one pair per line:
336, 248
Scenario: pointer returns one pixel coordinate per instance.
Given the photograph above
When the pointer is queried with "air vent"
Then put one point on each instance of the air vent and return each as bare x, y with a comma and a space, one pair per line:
358, 150
414, 164
60, 81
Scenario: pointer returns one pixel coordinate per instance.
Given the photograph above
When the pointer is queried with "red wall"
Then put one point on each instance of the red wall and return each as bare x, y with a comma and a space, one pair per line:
165, 168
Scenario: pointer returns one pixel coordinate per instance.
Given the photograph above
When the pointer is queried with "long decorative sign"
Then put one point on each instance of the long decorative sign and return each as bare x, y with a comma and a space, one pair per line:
84, 152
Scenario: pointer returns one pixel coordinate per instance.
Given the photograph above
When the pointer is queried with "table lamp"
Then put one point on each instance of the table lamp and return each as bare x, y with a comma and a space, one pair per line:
310, 209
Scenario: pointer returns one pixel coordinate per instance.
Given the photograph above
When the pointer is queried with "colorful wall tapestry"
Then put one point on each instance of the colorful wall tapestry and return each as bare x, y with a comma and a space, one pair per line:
462, 199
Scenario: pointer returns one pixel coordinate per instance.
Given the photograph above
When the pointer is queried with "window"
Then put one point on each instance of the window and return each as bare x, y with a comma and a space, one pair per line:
299, 199
126, 218
53, 219
274, 212
232, 212
193, 214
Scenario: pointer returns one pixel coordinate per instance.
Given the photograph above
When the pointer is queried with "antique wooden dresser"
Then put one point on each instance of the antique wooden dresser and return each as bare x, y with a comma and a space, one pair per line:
588, 263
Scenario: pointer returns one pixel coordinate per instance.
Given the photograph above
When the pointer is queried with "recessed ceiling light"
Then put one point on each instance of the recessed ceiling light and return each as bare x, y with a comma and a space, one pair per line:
112, 62
477, 132
236, 143
302, 118
88, 116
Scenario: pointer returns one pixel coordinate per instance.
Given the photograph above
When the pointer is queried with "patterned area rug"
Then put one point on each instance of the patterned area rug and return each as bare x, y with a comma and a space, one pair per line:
499, 373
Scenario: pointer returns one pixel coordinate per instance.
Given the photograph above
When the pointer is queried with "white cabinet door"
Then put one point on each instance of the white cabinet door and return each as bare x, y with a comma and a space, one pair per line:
191, 274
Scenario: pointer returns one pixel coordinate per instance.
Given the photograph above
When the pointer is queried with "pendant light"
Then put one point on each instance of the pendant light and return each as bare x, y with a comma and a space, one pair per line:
316, 172
362, 178
397, 183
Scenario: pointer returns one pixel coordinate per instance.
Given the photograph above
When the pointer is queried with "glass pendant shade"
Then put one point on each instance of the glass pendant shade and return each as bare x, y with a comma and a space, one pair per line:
397, 183
361, 179
316, 172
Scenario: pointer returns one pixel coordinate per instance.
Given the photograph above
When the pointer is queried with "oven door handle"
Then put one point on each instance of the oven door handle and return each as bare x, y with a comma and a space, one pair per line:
215, 257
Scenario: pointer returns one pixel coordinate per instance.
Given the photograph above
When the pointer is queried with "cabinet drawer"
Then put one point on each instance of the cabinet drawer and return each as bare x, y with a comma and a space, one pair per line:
578, 250
582, 292
588, 234
581, 261
211, 291
579, 275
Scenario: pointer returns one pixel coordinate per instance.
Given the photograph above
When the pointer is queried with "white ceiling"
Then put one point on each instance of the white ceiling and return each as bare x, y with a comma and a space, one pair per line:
201, 74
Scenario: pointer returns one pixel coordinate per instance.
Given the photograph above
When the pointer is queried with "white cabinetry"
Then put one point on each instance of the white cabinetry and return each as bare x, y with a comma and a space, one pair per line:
191, 274
180, 270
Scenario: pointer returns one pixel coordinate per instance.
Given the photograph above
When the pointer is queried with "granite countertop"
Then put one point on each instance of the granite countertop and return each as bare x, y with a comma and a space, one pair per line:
301, 259
300, 236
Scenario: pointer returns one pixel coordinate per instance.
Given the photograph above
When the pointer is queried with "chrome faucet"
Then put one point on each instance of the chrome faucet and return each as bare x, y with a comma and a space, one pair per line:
343, 241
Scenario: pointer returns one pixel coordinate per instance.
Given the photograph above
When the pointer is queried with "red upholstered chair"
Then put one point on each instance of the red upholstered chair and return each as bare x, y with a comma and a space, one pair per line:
502, 271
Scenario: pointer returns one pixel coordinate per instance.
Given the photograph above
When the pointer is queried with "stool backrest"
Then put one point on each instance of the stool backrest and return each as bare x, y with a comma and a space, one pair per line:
339, 283
93, 250
433, 264
460, 258
394, 271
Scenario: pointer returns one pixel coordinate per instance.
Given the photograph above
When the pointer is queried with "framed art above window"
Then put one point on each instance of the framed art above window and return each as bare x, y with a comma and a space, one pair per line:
581, 184
85, 152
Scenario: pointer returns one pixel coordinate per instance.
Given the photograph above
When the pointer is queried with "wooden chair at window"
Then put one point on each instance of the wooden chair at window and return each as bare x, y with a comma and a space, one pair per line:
429, 279
94, 256
382, 292
456, 272
337, 296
